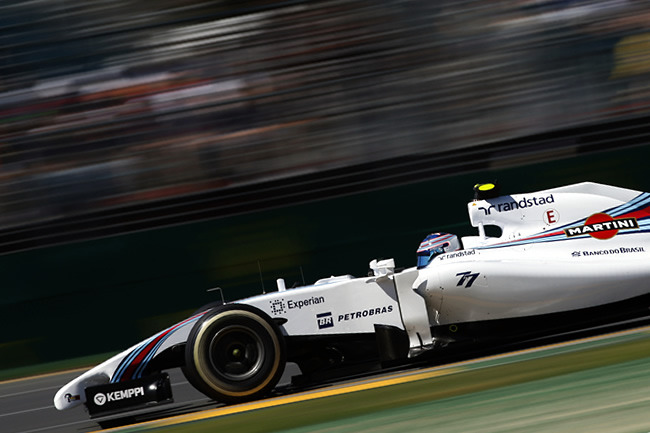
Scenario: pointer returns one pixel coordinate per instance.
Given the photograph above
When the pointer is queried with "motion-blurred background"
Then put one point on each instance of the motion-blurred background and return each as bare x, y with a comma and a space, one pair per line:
152, 150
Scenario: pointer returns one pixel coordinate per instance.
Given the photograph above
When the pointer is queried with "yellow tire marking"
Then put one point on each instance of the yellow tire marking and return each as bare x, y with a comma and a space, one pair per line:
209, 378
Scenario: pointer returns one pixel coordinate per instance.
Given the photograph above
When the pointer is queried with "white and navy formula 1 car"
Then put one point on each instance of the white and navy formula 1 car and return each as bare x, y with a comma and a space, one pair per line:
570, 256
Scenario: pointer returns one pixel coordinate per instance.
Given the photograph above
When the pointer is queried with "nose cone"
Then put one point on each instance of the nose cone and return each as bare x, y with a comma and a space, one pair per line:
69, 396
73, 394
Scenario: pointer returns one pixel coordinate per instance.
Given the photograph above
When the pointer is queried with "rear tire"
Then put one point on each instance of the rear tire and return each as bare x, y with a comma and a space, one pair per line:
235, 353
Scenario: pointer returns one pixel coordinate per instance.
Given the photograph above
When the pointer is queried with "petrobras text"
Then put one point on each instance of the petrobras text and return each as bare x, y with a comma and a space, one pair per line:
365, 313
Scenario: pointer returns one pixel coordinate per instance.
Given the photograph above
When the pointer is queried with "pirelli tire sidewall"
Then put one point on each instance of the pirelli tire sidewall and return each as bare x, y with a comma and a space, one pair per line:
221, 326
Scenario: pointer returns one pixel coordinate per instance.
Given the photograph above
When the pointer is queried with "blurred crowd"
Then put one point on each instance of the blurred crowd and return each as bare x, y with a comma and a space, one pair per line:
113, 102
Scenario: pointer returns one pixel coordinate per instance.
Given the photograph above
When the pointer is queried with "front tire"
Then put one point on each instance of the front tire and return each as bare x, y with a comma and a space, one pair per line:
235, 353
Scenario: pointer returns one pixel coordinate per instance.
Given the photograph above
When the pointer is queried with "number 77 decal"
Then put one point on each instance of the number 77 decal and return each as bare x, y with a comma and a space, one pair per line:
467, 278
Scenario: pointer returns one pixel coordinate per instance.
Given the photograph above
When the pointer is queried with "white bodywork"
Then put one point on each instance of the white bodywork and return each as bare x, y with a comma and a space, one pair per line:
551, 257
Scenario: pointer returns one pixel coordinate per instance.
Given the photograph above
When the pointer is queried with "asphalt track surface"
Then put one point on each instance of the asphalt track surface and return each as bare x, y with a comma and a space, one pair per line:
26, 404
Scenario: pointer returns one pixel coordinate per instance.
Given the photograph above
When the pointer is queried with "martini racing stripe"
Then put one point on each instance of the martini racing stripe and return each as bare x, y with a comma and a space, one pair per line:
644, 227
639, 203
136, 358
140, 370
551, 237
142, 365
134, 364
638, 208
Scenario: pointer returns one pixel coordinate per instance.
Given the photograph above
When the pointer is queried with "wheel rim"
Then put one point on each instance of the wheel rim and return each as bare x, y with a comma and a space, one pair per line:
236, 353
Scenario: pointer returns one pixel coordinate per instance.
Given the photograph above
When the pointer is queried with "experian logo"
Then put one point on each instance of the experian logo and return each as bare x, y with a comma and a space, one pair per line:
280, 306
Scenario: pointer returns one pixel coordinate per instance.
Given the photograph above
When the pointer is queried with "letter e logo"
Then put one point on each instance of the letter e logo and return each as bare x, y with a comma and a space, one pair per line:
551, 216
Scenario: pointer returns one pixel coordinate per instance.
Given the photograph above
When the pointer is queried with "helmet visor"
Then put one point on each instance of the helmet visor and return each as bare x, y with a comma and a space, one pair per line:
425, 257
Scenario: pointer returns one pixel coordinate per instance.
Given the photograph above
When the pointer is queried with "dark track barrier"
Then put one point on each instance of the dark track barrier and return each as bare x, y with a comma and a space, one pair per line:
91, 296
148, 155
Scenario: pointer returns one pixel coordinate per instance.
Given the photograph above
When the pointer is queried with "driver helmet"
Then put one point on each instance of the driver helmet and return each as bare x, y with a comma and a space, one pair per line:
436, 244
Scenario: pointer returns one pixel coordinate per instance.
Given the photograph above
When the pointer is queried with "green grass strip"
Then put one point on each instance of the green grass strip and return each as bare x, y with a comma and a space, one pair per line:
356, 404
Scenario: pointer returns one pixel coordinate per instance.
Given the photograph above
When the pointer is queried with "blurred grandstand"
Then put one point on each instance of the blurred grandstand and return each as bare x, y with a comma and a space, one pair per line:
106, 105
